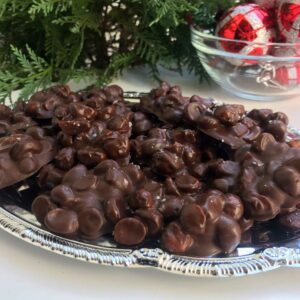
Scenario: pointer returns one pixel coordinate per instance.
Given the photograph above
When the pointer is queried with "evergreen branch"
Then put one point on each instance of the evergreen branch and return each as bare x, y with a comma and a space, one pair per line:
22, 59
44, 41
117, 64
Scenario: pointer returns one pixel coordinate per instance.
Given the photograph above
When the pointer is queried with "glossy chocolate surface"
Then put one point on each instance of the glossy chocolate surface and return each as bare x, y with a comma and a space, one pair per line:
191, 175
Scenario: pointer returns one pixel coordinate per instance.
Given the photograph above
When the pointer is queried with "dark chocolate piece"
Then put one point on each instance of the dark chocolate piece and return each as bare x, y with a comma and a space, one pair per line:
22, 155
269, 179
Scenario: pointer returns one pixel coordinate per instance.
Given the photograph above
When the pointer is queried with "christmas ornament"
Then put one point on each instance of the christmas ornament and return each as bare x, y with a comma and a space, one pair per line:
266, 3
288, 76
288, 18
245, 22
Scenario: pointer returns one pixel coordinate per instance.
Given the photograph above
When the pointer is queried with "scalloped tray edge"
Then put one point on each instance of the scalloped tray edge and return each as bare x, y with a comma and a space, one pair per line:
268, 259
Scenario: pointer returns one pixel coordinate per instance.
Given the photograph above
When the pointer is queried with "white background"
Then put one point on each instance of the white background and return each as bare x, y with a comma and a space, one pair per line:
28, 272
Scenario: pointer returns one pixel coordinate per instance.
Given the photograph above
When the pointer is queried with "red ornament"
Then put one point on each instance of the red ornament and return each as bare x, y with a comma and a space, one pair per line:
245, 22
288, 18
266, 3
288, 76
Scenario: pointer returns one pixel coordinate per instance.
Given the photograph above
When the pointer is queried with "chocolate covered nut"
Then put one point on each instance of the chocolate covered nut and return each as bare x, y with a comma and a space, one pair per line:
208, 122
212, 202
150, 146
291, 220
167, 163
119, 123
20, 150
260, 207
263, 141
135, 174
40, 207
142, 199
106, 113
21, 156
168, 105
36, 132
90, 221
5, 112
61, 90
50, 176
115, 210
90, 156
64, 139
84, 183
79, 110
175, 240
288, 179
260, 115
153, 220
278, 129
229, 114
194, 111
113, 93
42, 104
105, 166
229, 233
129, 232
187, 183
264, 187
60, 112
193, 218
233, 206
62, 221
74, 127
190, 155
63, 195
77, 172
279, 116
170, 187
65, 158
28, 165
171, 207
141, 123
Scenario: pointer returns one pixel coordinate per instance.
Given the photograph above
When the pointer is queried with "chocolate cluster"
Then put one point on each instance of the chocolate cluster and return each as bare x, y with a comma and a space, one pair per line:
186, 172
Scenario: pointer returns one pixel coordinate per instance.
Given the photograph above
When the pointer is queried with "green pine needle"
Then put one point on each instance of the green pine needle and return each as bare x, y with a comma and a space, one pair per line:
50, 41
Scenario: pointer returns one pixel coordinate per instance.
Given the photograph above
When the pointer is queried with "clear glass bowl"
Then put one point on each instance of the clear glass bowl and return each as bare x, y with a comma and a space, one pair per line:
274, 76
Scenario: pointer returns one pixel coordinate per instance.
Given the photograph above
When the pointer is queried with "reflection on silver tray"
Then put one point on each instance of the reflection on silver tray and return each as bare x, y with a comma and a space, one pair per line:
268, 250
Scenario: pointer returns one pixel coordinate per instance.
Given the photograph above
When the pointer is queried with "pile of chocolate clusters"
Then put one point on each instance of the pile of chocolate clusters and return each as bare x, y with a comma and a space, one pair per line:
186, 172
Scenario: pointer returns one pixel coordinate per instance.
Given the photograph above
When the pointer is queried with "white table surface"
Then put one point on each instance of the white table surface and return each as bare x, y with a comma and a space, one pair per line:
28, 272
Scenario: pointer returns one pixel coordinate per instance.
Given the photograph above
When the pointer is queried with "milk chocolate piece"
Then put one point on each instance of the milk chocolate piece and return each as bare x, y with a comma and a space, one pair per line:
115, 210
193, 219
228, 233
50, 176
41, 206
171, 207
130, 232
91, 221
175, 240
152, 219
62, 221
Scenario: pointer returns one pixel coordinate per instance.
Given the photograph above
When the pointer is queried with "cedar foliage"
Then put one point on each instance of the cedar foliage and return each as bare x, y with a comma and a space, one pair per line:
46, 41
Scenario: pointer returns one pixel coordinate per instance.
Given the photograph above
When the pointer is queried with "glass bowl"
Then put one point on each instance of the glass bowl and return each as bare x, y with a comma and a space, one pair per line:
274, 76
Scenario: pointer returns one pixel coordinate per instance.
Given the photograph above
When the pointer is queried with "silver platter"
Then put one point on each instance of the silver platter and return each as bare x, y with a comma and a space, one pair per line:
269, 248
